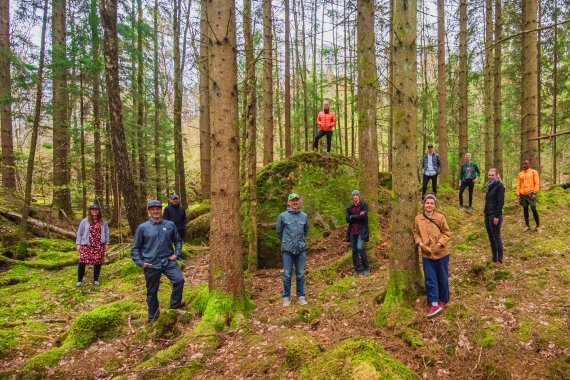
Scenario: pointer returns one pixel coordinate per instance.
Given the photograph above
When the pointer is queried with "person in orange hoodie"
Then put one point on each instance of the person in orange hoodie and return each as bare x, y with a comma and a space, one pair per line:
326, 121
527, 187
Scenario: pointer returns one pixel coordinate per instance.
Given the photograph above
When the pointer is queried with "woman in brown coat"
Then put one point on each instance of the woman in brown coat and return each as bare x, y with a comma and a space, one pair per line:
432, 234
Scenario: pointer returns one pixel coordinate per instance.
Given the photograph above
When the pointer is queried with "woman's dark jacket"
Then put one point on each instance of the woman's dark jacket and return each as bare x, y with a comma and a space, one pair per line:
362, 220
495, 199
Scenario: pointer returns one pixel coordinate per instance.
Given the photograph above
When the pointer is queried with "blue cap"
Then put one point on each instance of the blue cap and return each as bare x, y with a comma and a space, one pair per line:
95, 206
174, 196
153, 203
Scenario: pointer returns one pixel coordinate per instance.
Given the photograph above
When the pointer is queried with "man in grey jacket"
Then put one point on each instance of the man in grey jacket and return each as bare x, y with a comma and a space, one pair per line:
292, 227
153, 251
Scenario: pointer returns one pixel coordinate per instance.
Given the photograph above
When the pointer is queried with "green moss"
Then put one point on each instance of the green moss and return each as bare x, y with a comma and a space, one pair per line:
356, 359
220, 311
559, 369
402, 288
51, 244
456, 312
501, 275
339, 288
490, 286
299, 349
491, 371
47, 359
130, 269
198, 230
509, 304
524, 331
565, 276
165, 325
479, 269
197, 209
330, 272
474, 235
486, 338
308, 315
7, 342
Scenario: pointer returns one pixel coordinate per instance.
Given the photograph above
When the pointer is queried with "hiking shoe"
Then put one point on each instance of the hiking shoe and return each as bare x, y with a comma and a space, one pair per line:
538, 230
433, 311
441, 304
78, 284
302, 301
355, 273
286, 302
95, 283
366, 273
527, 229
470, 210
461, 208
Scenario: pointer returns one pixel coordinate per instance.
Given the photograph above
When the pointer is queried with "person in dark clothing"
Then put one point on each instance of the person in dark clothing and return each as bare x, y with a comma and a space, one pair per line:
565, 185
156, 248
468, 174
357, 233
431, 166
494, 201
176, 214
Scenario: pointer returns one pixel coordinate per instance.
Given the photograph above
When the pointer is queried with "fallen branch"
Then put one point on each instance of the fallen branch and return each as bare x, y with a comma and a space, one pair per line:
38, 225
40, 264
550, 136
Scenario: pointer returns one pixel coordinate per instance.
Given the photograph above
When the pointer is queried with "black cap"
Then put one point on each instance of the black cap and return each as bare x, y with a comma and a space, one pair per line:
430, 145
95, 206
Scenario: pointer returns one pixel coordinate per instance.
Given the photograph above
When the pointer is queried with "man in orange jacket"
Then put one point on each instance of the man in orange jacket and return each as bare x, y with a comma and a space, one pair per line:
326, 121
527, 187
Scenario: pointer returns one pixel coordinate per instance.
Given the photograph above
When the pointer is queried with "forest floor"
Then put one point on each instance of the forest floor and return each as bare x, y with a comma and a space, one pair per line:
503, 322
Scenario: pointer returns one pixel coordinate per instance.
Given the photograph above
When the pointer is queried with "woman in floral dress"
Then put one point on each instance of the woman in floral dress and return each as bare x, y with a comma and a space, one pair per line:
92, 242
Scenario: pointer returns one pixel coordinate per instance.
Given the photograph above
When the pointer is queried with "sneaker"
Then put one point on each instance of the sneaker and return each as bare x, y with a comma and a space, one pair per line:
95, 283
301, 301
527, 229
78, 284
441, 304
433, 311
286, 302
470, 210
461, 208
355, 273
538, 230
366, 273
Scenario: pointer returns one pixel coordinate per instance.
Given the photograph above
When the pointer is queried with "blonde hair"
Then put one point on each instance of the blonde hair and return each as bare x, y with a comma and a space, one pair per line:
497, 173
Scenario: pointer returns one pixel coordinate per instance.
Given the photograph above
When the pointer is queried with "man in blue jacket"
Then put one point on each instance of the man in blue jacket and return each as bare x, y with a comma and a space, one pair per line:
156, 247
292, 227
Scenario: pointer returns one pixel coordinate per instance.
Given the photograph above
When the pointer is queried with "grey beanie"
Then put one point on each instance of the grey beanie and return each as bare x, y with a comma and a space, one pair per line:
355, 192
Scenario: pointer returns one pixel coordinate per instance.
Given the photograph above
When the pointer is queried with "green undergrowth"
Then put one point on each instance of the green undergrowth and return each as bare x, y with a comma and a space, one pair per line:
356, 359
105, 321
299, 349
330, 272
195, 210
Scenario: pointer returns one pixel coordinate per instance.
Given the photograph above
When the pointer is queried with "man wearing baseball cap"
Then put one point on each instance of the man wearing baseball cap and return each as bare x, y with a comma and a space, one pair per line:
156, 247
292, 227
176, 214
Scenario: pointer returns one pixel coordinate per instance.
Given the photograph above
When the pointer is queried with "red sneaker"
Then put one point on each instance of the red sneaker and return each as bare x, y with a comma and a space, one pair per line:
433, 311
441, 304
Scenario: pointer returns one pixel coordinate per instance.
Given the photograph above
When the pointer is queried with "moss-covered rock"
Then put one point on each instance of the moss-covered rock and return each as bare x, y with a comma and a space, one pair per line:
299, 349
197, 209
356, 359
198, 230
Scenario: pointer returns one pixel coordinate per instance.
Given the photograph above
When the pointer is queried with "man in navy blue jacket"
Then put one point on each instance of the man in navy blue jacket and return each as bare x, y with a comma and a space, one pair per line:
156, 247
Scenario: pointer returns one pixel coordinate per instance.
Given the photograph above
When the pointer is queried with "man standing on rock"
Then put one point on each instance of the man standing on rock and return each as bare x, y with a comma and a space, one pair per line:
156, 247
292, 227
326, 122
527, 187
176, 214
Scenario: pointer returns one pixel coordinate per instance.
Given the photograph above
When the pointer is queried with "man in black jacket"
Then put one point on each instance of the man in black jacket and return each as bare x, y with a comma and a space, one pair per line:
176, 214
358, 233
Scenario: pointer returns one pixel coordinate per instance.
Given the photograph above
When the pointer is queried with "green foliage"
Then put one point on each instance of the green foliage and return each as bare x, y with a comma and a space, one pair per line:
501, 275
328, 273
130, 269
356, 359
474, 235
402, 289
308, 315
456, 312
486, 337
299, 349
559, 369
197, 209
7, 342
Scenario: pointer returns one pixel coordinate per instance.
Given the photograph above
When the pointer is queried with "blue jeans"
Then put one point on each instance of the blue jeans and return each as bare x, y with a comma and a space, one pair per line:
299, 261
152, 277
494, 232
436, 279
358, 254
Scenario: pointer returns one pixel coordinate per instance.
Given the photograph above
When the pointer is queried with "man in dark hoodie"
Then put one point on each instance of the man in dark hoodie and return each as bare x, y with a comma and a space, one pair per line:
292, 227
176, 214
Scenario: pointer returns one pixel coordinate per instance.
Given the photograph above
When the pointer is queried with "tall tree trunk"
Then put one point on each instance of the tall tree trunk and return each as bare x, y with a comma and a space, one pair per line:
554, 93
441, 91
8, 160
288, 148
226, 270
82, 128
96, 100
404, 262
390, 90
538, 83
352, 105
463, 99
278, 99
338, 125
488, 87
22, 249
141, 138
180, 177
497, 98
345, 32
133, 204
267, 83
157, 107
205, 167
250, 95
367, 134
529, 86
61, 129
308, 128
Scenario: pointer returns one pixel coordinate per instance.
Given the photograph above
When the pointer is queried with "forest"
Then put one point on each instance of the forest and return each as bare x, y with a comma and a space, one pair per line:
107, 105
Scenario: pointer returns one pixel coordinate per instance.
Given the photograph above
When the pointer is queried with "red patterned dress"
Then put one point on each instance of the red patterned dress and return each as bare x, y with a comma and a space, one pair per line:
94, 253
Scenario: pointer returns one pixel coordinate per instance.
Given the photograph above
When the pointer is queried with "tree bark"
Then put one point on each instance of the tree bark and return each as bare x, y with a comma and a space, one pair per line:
345, 32
497, 98
141, 138
554, 95
157, 107
226, 270
487, 84
529, 85
367, 134
96, 100
180, 186
288, 147
267, 83
61, 129
205, 167
134, 208
8, 160
463, 99
441, 92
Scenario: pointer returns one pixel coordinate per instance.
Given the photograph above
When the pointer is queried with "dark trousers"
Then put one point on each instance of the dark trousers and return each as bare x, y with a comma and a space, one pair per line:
318, 137
534, 214
81, 272
494, 232
358, 254
152, 276
436, 279
433, 184
466, 183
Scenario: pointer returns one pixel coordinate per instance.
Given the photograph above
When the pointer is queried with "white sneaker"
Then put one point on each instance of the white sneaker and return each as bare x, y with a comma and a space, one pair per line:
302, 300
78, 284
286, 302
